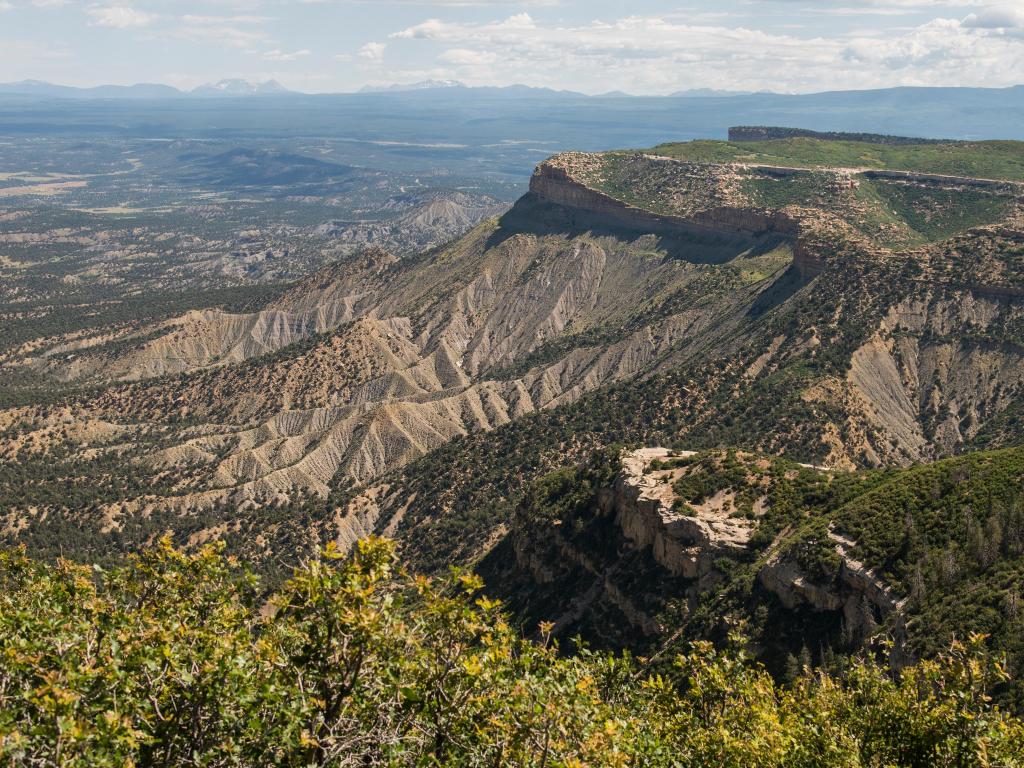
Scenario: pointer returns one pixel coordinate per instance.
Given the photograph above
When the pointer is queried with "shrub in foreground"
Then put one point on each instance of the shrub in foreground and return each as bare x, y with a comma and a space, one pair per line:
172, 660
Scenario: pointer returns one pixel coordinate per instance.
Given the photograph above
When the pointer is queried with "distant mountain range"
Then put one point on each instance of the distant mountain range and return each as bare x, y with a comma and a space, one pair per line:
229, 87
454, 89
455, 86
711, 93
239, 87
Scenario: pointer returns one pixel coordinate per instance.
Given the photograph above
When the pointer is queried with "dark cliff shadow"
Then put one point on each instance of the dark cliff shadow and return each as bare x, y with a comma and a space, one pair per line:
536, 216
779, 292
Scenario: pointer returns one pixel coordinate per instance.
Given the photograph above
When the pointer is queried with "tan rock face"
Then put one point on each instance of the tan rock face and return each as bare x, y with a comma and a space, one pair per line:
857, 591
555, 182
927, 380
787, 581
709, 203
643, 505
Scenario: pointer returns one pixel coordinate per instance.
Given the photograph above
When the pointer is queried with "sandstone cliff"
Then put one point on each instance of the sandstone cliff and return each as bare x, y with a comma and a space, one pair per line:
642, 562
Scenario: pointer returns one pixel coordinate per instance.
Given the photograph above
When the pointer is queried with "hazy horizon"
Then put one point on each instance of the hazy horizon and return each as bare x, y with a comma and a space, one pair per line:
654, 48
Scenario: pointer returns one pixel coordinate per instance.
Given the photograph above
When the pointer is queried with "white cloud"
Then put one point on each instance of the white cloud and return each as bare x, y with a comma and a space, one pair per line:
434, 29
871, 7
119, 17
442, 3
934, 5
651, 54
372, 51
428, 30
5, 6
277, 55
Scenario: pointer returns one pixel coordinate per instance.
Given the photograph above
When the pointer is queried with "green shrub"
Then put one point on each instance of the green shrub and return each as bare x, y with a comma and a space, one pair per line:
172, 661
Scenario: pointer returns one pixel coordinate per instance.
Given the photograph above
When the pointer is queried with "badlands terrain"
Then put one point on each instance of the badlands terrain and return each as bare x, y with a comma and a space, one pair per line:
811, 314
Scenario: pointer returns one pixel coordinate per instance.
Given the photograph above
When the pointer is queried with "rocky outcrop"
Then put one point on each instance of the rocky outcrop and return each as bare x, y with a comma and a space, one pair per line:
808, 262
555, 184
944, 180
862, 596
687, 545
644, 508
671, 553
645, 549
643, 504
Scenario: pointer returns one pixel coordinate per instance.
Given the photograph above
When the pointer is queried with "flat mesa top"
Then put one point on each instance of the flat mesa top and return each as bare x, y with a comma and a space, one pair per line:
899, 195
998, 160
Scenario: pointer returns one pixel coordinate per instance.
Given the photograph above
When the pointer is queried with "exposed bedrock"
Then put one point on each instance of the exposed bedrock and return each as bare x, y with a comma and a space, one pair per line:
687, 549
643, 507
553, 184
858, 592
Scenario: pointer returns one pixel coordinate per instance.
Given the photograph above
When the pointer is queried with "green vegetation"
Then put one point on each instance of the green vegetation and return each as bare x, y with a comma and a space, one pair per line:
808, 189
949, 536
946, 537
895, 213
171, 661
937, 213
980, 159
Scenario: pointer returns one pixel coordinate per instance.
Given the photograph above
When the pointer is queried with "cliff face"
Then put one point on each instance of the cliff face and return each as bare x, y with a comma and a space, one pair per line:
554, 182
824, 213
856, 592
641, 549
642, 505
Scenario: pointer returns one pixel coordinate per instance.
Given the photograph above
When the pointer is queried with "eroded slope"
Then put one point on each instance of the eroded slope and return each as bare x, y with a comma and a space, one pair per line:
627, 297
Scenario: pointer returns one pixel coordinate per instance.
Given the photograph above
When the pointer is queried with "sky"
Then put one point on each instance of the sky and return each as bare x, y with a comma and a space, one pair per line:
593, 46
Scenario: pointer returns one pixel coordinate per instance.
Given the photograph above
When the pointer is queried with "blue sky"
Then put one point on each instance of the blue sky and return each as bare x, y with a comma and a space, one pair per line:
640, 46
